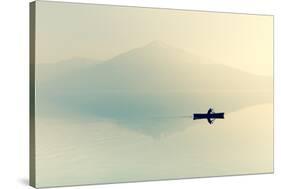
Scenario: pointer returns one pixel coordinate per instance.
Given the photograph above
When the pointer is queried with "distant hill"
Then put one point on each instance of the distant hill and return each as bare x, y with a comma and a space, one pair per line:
46, 73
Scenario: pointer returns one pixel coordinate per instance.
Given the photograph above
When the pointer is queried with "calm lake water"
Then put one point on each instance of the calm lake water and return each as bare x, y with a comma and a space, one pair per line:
119, 138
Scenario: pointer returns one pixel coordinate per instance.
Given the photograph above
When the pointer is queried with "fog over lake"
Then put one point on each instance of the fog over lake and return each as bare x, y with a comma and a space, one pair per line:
148, 89
130, 118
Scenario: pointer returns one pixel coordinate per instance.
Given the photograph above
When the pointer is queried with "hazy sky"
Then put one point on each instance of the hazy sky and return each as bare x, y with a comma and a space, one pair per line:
66, 30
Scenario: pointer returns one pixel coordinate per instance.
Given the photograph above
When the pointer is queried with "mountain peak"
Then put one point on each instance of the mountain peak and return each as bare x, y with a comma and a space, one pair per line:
158, 44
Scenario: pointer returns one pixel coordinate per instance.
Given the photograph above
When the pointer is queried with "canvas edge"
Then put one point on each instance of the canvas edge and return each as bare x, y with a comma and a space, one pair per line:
32, 162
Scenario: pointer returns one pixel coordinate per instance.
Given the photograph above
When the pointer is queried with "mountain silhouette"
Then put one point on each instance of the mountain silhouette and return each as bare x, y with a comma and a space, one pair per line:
159, 67
155, 80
